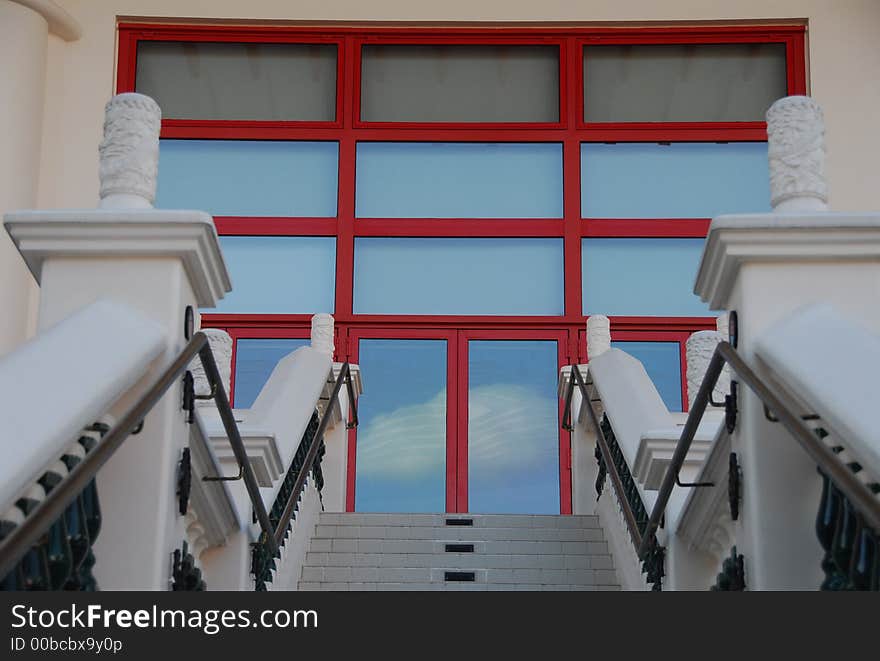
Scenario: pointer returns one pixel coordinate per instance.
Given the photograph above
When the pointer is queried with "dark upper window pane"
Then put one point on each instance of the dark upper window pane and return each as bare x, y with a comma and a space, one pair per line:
682, 83
443, 83
196, 80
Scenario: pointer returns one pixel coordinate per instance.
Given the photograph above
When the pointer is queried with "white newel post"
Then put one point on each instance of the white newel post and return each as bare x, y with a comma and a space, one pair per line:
221, 347
159, 262
764, 267
699, 348
598, 335
583, 438
335, 462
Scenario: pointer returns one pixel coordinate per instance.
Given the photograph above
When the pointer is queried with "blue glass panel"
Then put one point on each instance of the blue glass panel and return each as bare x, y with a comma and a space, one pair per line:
248, 178
662, 362
279, 274
254, 361
513, 443
458, 276
681, 180
641, 277
401, 438
459, 180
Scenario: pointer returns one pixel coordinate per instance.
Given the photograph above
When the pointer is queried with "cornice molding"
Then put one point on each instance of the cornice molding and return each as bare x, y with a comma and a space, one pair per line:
103, 233
736, 240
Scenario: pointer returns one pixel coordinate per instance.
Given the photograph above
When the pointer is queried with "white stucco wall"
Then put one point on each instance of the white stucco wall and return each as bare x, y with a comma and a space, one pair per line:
80, 75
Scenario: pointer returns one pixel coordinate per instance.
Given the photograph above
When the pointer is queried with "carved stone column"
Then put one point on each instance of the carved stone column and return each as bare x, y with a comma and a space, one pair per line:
130, 152
698, 350
796, 149
598, 335
322, 334
221, 346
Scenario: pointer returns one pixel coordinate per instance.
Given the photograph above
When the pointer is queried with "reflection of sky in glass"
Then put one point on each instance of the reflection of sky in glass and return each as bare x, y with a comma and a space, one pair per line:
254, 361
397, 275
401, 438
513, 446
641, 276
459, 180
662, 362
279, 274
681, 180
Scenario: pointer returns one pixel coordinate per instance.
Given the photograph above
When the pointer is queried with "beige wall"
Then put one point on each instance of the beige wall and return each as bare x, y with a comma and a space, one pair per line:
843, 48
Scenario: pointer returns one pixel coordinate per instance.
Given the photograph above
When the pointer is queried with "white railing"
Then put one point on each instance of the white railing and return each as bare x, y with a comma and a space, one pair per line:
831, 365
63, 380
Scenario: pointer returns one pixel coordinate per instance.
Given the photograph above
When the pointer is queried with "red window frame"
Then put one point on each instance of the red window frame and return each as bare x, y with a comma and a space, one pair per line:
571, 131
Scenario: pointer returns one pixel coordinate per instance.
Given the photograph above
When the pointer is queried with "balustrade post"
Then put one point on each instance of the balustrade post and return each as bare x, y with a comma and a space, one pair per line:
161, 263
764, 267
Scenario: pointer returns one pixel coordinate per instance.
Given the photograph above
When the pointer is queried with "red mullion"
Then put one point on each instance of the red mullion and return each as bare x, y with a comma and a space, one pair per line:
274, 226
459, 227
265, 34
459, 321
459, 133
235, 130
645, 227
796, 64
345, 205
571, 191
655, 327
126, 61
240, 321
672, 131
271, 333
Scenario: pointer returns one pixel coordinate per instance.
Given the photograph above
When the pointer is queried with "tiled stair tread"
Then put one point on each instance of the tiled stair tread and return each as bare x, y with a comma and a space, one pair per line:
436, 575
462, 561
354, 551
454, 533
452, 587
479, 520
523, 546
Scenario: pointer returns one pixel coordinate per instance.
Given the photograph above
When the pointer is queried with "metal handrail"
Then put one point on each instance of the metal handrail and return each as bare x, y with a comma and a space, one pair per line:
610, 467
859, 494
289, 507
852, 488
25, 535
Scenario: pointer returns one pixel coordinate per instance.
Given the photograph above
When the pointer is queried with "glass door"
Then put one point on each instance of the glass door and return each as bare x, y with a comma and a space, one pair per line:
399, 458
511, 457
459, 420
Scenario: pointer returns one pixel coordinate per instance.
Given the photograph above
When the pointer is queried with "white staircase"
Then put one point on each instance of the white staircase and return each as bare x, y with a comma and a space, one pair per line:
458, 552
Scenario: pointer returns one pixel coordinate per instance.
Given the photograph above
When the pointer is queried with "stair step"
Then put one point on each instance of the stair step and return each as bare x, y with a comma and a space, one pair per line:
478, 520
452, 587
434, 546
422, 575
462, 560
459, 533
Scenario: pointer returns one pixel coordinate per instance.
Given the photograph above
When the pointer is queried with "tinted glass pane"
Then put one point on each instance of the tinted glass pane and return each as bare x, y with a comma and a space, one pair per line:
641, 277
513, 446
458, 276
682, 83
248, 178
458, 180
279, 274
401, 438
254, 361
403, 83
681, 180
662, 362
199, 80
